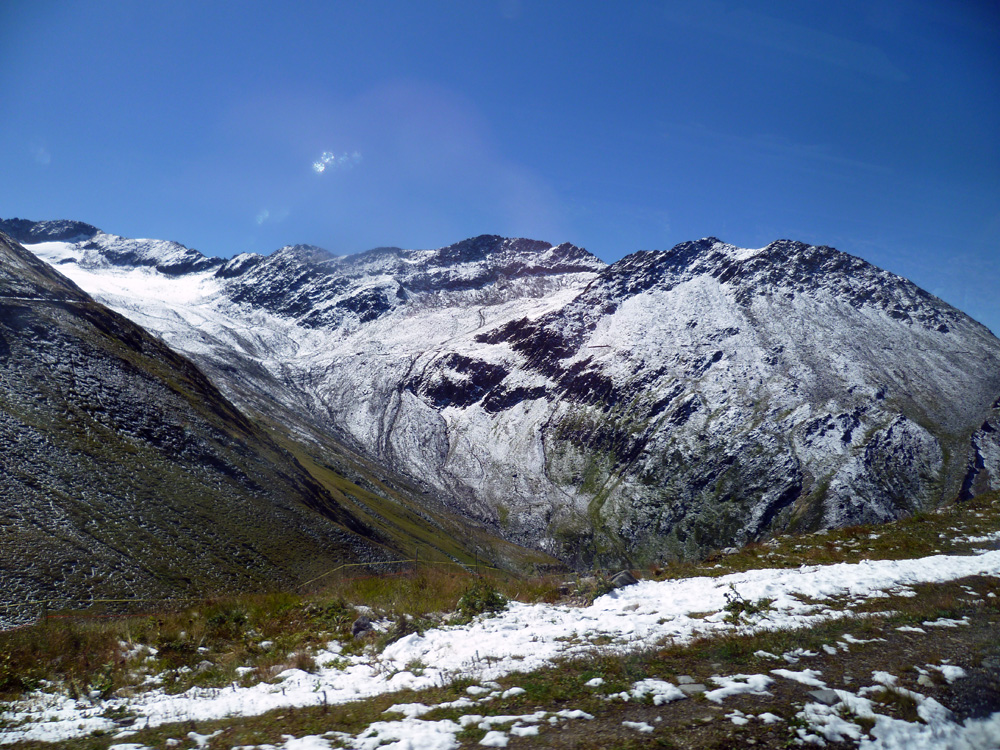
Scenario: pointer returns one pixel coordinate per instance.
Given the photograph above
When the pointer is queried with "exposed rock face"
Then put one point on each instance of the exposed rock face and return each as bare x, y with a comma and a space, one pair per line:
667, 404
125, 473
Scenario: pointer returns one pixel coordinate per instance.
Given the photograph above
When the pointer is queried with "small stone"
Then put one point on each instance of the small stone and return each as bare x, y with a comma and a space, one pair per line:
361, 625
690, 688
828, 697
925, 681
683, 679
623, 578
203, 666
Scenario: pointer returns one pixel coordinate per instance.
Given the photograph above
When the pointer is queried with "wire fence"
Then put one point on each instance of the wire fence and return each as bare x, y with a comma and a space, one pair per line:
416, 562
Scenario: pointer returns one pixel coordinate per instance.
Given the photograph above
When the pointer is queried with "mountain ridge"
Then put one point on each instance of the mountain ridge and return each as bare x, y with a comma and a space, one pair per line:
670, 403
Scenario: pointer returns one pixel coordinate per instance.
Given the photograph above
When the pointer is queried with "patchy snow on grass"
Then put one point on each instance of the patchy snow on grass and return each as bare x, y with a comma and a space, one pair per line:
523, 638
806, 676
738, 684
660, 691
944, 622
935, 730
949, 671
639, 726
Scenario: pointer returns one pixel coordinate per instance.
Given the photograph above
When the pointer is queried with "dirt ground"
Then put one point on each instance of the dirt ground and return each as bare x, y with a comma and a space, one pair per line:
700, 724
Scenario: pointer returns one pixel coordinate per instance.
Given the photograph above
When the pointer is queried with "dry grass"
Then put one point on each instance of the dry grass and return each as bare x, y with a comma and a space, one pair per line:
87, 656
205, 645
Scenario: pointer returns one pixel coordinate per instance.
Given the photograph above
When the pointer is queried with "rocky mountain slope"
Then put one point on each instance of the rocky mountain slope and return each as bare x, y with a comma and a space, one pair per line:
670, 403
125, 473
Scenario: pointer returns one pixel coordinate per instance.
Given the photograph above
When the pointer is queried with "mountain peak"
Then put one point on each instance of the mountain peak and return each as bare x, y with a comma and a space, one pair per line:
305, 253
26, 231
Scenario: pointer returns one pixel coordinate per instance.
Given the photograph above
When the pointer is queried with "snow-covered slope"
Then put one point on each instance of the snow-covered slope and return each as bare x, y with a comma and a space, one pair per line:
667, 404
125, 473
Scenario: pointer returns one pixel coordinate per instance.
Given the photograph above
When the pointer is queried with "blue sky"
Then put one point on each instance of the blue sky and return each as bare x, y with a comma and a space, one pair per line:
873, 126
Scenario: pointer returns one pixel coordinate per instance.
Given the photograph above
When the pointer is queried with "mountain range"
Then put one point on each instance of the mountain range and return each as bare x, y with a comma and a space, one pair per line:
669, 404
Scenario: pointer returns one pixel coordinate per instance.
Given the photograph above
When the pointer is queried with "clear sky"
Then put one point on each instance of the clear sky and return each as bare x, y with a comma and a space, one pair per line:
870, 126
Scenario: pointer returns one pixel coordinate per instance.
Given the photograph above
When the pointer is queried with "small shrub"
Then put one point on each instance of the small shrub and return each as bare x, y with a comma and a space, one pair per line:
103, 682
900, 702
402, 626
303, 660
416, 667
592, 588
337, 614
226, 624
739, 609
481, 598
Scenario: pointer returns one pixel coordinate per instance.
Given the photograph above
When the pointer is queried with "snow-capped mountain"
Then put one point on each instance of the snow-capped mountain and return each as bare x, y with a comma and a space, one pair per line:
667, 404
125, 472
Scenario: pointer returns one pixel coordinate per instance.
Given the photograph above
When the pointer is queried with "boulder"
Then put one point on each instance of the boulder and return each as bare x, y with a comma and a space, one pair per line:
622, 579
361, 625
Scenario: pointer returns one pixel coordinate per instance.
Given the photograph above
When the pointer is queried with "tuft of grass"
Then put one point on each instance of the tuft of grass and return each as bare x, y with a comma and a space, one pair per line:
481, 598
900, 702
738, 609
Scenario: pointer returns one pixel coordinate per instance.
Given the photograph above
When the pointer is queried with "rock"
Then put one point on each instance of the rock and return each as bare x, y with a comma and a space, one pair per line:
925, 681
361, 625
684, 679
825, 696
692, 688
203, 666
622, 579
